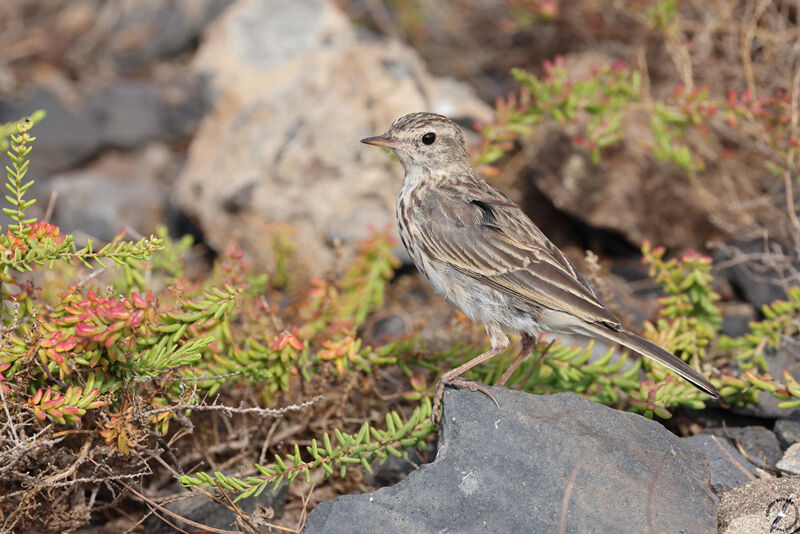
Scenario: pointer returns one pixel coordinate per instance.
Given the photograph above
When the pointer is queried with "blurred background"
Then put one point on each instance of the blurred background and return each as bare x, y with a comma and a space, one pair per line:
215, 116
218, 118
614, 123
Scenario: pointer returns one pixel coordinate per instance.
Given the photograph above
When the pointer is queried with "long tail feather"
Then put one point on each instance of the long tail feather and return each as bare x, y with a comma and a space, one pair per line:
654, 352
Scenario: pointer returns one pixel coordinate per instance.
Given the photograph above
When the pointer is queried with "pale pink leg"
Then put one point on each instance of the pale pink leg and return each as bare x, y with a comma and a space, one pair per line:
528, 342
499, 342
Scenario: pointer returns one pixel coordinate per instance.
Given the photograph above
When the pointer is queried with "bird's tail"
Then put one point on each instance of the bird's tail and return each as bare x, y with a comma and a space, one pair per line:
654, 352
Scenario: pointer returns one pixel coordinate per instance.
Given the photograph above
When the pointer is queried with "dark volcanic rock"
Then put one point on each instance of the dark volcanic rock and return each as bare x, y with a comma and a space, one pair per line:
125, 115
788, 430
117, 190
67, 136
538, 463
758, 442
725, 474
151, 29
757, 282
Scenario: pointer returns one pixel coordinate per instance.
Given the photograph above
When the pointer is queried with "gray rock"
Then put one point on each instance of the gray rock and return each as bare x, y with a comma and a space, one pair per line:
533, 465
126, 115
145, 30
791, 460
758, 282
294, 90
599, 194
725, 474
787, 431
118, 190
754, 507
201, 509
66, 138
758, 443
132, 113
736, 325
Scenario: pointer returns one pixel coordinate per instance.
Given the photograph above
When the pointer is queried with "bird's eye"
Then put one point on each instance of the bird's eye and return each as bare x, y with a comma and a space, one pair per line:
429, 138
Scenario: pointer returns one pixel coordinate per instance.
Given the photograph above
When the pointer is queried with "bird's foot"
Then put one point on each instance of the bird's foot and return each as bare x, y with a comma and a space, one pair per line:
446, 380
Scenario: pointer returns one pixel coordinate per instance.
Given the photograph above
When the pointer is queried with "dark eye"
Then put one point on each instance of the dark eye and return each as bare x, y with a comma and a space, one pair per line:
429, 138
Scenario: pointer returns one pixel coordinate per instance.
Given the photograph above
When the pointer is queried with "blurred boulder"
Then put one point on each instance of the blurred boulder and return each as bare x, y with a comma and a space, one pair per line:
118, 190
131, 113
755, 276
127, 114
294, 90
143, 30
627, 191
66, 138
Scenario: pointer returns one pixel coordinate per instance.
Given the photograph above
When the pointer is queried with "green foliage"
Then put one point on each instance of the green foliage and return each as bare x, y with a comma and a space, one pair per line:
601, 102
12, 128
603, 98
70, 351
362, 448
689, 318
29, 242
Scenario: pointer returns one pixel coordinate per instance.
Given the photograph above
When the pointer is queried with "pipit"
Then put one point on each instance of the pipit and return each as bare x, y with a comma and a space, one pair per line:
483, 255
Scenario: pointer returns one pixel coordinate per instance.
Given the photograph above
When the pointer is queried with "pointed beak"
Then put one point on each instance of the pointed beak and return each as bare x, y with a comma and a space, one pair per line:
384, 140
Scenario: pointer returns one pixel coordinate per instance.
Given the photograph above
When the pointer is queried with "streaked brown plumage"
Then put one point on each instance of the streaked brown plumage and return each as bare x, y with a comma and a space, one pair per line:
483, 255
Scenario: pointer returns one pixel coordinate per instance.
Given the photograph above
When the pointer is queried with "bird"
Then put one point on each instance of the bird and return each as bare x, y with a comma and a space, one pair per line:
482, 254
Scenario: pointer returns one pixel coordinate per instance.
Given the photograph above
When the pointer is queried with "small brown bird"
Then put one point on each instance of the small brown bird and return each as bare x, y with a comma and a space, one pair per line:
483, 255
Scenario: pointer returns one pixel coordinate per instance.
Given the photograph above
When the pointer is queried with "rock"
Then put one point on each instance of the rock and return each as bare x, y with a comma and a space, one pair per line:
788, 430
725, 474
146, 30
536, 464
759, 444
756, 281
294, 91
765, 408
755, 507
66, 138
201, 509
628, 191
131, 113
118, 190
791, 460
736, 325
125, 115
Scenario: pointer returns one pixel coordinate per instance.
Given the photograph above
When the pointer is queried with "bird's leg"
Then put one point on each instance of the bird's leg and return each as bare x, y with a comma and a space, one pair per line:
538, 362
500, 343
528, 342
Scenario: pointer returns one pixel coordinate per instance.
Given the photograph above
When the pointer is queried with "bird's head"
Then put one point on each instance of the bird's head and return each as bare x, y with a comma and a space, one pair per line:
424, 140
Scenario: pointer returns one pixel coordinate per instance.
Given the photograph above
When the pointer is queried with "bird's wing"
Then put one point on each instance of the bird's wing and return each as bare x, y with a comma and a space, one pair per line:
489, 238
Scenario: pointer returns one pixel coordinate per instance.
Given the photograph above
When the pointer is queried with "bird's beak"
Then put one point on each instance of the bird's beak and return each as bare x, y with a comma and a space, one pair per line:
384, 140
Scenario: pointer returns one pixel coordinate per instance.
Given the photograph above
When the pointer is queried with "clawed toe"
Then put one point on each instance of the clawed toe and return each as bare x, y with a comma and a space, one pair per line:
455, 381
